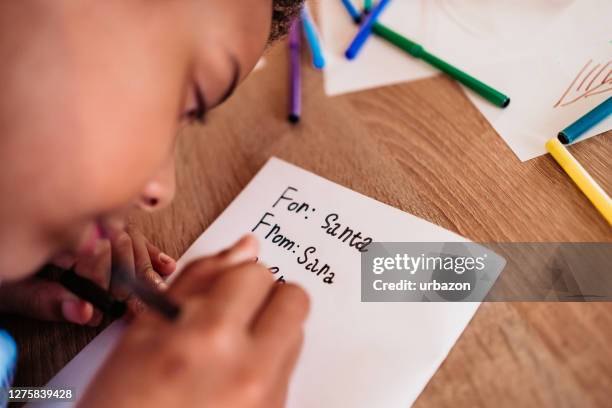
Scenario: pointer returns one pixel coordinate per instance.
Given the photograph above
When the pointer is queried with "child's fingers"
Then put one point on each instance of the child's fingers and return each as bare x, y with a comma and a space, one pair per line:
286, 368
144, 268
162, 262
63, 261
97, 268
244, 250
279, 325
278, 333
45, 300
123, 261
239, 293
81, 312
196, 276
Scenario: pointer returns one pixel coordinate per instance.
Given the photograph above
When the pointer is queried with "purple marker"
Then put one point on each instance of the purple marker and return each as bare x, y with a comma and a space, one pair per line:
295, 86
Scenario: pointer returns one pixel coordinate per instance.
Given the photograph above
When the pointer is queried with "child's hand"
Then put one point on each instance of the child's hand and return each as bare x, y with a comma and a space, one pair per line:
48, 300
234, 344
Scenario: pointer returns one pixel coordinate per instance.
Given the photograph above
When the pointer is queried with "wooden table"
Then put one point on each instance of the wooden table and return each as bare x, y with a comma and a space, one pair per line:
424, 148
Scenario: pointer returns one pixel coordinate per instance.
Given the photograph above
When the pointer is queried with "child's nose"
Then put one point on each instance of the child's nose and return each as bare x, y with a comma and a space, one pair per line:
159, 191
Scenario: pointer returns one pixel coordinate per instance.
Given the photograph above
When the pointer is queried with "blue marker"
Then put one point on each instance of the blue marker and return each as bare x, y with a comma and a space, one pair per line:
310, 31
8, 361
365, 30
579, 127
352, 11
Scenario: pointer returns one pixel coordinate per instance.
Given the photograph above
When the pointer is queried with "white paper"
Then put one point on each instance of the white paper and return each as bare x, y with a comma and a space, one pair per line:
529, 50
355, 354
261, 63
544, 101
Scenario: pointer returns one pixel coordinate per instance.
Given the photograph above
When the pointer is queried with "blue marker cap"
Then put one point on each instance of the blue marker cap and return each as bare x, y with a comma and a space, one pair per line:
582, 125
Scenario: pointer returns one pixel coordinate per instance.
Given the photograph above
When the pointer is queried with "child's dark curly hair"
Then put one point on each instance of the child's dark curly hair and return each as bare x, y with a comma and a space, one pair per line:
283, 13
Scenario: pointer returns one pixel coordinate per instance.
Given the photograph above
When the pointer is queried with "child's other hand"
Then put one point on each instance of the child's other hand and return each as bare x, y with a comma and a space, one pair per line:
48, 300
235, 343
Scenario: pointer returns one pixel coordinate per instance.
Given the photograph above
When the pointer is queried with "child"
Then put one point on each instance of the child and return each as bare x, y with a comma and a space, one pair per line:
93, 93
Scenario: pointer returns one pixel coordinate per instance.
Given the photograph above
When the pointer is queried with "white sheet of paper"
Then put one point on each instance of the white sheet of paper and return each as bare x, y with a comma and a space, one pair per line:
540, 106
261, 63
355, 354
530, 50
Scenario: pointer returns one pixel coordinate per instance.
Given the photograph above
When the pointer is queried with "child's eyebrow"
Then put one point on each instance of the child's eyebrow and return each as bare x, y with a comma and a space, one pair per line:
234, 82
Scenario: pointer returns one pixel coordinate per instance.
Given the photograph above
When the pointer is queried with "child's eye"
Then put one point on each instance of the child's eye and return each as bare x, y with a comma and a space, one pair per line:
197, 112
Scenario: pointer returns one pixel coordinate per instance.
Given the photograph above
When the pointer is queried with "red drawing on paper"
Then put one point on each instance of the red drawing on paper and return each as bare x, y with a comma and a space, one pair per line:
591, 80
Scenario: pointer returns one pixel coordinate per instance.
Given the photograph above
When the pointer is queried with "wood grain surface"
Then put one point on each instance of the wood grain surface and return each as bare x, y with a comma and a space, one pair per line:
424, 148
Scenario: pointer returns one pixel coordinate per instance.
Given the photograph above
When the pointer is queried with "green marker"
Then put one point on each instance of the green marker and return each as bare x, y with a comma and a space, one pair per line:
417, 51
367, 5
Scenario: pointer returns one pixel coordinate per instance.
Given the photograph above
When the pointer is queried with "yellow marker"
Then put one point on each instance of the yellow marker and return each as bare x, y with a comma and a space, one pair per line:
583, 180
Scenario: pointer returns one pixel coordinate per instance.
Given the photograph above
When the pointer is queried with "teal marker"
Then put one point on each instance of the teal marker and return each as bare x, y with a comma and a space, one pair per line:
312, 36
580, 127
